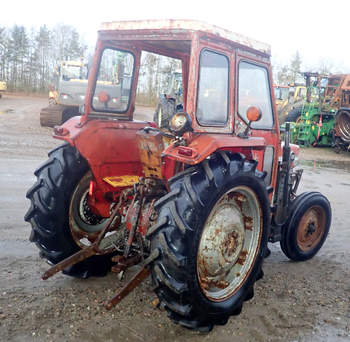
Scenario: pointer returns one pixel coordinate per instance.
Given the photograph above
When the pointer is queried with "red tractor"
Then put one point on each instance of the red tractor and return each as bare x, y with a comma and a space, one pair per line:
194, 206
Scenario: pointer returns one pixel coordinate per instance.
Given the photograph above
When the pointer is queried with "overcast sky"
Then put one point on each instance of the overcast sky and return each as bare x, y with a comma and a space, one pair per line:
317, 29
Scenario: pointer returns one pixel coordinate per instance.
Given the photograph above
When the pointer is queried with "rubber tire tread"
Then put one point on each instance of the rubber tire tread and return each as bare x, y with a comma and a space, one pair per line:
189, 307
168, 110
49, 211
299, 206
294, 114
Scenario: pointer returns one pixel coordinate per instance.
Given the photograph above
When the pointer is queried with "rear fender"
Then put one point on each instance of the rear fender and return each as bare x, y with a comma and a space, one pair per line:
202, 146
111, 150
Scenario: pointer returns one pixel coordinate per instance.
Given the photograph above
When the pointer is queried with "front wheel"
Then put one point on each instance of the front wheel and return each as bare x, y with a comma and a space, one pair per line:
307, 227
212, 233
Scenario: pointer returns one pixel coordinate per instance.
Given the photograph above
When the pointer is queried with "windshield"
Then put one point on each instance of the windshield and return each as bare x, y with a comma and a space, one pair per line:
113, 87
281, 93
74, 72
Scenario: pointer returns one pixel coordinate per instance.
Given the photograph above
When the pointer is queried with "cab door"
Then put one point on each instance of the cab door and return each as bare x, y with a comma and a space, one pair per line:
254, 88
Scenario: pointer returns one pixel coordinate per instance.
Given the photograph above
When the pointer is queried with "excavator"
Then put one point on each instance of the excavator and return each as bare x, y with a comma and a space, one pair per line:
68, 92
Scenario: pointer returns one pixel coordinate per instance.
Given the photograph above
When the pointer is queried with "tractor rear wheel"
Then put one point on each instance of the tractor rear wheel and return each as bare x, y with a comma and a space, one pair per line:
59, 215
307, 227
294, 114
164, 111
211, 232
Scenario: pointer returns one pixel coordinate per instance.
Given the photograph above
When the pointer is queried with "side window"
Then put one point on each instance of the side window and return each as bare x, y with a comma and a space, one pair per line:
212, 103
254, 90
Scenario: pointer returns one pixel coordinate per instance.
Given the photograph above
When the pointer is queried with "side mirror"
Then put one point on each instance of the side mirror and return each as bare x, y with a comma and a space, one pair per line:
253, 114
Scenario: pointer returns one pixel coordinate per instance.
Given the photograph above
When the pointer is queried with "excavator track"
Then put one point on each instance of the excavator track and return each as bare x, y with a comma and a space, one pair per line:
56, 114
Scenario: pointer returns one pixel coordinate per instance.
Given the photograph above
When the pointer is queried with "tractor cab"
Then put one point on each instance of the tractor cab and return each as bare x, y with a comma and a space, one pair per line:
223, 75
215, 66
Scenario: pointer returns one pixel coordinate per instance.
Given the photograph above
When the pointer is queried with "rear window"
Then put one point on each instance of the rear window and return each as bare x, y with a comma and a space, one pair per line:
113, 86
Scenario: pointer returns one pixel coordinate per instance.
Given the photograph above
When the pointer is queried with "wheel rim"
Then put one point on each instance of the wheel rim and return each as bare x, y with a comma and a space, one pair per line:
311, 228
229, 243
343, 125
84, 224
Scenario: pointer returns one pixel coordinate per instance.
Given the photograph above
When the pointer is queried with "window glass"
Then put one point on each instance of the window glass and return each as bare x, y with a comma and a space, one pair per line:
212, 103
73, 72
254, 90
113, 87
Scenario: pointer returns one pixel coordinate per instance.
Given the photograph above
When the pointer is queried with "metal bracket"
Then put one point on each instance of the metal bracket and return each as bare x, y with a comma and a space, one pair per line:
136, 280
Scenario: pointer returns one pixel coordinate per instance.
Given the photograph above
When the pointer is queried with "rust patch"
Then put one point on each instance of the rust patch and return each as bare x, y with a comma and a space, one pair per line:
311, 228
248, 222
209, 283
239, 199
242, 257
151, 146
230, 244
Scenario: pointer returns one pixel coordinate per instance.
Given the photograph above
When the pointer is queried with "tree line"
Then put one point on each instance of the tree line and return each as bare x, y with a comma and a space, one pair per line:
154, 77
291, 73
28, 57
29, 60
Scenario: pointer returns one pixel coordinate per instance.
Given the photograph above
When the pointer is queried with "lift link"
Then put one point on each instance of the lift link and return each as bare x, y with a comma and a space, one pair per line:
141, 275
102, 244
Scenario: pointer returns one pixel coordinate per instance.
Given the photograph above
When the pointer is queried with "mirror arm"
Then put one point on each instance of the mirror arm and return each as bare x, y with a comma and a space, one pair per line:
245, 135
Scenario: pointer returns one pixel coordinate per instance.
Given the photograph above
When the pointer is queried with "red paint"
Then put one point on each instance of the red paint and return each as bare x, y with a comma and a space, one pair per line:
110, 146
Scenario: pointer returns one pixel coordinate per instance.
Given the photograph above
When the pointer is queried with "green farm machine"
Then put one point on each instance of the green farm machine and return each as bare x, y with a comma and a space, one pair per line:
315, 118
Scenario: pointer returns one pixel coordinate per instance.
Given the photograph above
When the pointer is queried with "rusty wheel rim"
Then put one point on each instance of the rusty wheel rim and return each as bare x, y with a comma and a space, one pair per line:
84, 224
343, 125
229, 243
311, 228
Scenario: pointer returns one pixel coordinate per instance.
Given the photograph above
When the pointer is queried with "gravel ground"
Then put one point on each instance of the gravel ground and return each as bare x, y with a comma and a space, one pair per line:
294, 301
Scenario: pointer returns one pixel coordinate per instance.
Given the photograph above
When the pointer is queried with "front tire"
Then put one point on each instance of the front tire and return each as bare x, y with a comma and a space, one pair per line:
212, 231
307, 227
53, 199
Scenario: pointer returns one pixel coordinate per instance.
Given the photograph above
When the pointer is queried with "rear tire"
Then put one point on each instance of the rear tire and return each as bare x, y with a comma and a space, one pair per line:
307, 227
165, 110
294, 114
185, 225
58, 179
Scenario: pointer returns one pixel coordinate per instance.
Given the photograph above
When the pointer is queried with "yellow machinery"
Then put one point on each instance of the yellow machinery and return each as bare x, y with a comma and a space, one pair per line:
3, 88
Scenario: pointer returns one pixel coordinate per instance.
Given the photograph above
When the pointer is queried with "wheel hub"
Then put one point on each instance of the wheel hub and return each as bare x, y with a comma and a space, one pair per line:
311, 228
86, 213
84, 224
222, 241
229, 243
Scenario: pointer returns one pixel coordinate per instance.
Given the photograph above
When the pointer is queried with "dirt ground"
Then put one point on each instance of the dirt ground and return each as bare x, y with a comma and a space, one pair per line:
293, 302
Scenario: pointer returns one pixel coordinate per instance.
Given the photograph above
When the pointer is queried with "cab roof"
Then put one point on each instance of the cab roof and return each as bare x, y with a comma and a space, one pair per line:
154, 29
